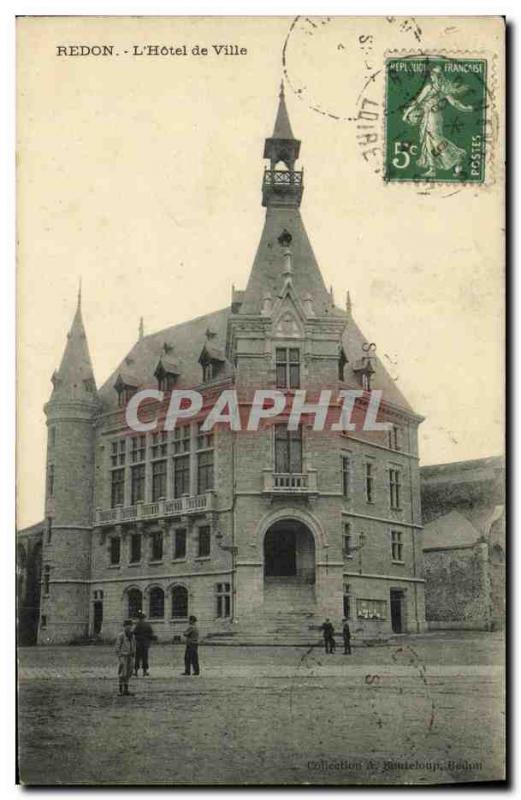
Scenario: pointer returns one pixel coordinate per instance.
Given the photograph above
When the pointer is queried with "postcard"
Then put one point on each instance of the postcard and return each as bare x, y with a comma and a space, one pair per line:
261, 400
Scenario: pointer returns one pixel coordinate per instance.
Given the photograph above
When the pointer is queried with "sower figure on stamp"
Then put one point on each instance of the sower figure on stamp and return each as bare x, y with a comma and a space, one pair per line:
144, 636
329, 633
426, 111
346, 634
126, 652
192, 647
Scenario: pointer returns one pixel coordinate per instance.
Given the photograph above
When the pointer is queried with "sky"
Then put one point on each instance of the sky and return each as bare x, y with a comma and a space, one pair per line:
142, 176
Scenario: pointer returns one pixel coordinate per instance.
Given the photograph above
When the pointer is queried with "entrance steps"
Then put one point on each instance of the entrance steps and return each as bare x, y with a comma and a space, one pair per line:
288, 616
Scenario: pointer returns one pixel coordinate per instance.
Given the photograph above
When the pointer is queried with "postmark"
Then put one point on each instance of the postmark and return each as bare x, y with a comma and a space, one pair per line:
435, 119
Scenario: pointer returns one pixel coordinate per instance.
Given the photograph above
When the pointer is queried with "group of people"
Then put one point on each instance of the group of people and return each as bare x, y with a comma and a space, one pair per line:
133, 644
328, 631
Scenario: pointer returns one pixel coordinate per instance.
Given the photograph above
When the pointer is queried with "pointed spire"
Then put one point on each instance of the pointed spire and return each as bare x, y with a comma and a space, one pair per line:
141, 331
349, 304
282, 129
74, 380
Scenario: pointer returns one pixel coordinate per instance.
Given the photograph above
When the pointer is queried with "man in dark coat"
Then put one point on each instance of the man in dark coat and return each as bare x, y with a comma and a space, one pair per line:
346, 633
329, 636
144, 636
191, 635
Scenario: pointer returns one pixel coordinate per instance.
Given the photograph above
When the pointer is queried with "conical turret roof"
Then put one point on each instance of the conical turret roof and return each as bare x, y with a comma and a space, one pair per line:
74, 380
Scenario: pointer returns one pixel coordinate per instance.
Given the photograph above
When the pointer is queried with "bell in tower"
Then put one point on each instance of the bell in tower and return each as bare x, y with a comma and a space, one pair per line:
282, 185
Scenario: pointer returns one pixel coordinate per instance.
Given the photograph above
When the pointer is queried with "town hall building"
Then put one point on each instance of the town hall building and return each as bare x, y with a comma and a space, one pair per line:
258, 533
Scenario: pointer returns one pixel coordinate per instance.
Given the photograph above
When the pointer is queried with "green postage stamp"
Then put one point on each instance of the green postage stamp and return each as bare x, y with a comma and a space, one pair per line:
435, 119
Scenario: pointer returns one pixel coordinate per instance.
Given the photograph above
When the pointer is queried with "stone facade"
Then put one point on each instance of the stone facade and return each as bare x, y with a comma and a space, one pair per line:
464, 544
235, 526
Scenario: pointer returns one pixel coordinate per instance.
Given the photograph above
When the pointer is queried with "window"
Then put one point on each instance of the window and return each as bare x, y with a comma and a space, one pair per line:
52, 437
138, 448
159, 444
117, 494
348, 541
135, 603
203, 542
125, 393
135, 548
287, 364
223, 597
369, 482
347, 601
179, 602
158, 480
156, 546
395, 437
346, 476
396, 546
118, 452
181, 439
210, 370
156, 603
115, 550
181, 475
137, 484
371, 609
43, 621
342, 361
50, 480
49, 530
204, 471
394, 488
180, 543
288, 449
46, 579
204, 438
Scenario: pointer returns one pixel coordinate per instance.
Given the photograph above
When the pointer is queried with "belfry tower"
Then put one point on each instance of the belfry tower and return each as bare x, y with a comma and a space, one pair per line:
70, 412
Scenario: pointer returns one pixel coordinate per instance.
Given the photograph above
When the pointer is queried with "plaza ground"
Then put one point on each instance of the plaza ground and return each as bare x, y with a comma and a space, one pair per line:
421, 709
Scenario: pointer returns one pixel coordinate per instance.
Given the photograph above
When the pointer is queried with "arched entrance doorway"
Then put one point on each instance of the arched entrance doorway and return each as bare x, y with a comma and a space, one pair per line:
289, 553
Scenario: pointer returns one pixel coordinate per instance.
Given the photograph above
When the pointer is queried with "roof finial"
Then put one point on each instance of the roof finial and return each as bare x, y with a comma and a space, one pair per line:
349, 304
281, 91
141, 328
79, 294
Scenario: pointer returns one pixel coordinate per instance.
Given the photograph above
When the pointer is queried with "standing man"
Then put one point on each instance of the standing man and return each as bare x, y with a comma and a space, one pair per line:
346, 633
125, 651
144, 636
191, 635
329, 632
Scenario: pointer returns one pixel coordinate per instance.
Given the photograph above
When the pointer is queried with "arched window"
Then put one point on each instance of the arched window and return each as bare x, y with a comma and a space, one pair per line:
179, 602
135, 602
46, 579
156, 603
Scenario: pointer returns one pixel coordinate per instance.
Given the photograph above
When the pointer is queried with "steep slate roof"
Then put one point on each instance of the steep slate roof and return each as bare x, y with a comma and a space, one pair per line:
187, 338
450, 530
266, 274
352, 341
75, 371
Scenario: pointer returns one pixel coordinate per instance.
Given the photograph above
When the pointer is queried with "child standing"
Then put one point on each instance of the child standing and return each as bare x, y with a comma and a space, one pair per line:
126, 653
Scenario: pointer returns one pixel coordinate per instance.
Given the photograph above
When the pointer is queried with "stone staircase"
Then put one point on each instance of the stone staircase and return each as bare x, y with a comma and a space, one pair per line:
287, 617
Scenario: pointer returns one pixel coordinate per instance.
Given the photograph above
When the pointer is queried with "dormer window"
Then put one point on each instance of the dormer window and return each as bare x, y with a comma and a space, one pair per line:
212, 358
166, 373
126, 386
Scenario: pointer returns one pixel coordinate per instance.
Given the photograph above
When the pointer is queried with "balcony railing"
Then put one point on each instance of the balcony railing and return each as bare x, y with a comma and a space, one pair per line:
290, 482
163, 508
277, 177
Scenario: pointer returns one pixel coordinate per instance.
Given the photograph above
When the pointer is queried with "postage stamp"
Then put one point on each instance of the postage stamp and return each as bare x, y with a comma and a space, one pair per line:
435, 121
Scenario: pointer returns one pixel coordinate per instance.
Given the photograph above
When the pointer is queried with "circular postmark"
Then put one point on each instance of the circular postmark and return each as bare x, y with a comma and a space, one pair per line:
338, 67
